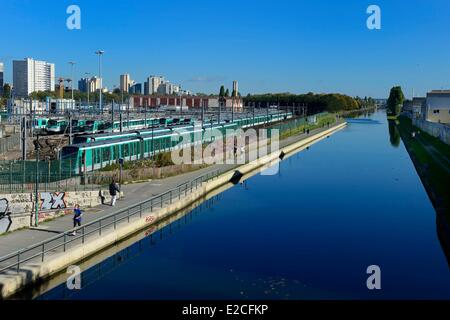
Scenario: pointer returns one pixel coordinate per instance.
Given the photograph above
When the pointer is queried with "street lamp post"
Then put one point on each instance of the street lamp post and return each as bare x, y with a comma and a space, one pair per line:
88, 82
100, 53
72, 63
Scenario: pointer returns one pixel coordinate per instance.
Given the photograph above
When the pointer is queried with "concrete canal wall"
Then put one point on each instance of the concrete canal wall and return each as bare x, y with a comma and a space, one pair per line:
12, 282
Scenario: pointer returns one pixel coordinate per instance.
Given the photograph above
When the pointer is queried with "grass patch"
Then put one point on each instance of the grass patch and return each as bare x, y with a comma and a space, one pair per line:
321, 122
434, 176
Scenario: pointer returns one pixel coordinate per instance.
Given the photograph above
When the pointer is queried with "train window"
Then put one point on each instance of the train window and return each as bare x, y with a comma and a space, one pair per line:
138, 148
96, 155
106, 153
114, 157
126, 150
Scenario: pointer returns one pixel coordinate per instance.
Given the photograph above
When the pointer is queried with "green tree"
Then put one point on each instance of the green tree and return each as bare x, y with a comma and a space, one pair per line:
6, 90
315, 102
222, 91
227, 93
395, 101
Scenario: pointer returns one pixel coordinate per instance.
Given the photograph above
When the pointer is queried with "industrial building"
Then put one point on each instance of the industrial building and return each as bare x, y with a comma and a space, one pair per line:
210, 102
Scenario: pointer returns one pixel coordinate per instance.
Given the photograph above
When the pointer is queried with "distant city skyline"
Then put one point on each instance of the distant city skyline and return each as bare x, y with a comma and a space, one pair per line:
293, 46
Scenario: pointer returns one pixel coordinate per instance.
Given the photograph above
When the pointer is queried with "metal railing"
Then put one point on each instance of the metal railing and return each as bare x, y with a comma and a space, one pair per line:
16, 183
62, 242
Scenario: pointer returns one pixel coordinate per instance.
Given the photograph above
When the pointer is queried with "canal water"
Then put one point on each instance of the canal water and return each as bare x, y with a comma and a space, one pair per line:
308, 232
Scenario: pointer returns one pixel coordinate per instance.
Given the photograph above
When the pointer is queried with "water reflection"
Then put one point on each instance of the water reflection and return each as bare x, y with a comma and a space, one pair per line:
140, 242
443, 233
394, 135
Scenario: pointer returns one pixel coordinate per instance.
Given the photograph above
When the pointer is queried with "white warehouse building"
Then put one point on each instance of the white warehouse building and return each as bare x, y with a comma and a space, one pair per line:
437, 106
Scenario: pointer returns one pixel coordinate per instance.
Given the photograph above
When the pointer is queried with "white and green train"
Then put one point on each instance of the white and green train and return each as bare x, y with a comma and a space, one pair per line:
94, 155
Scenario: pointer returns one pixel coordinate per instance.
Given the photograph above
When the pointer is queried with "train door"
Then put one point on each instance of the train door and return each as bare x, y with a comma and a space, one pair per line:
83, 162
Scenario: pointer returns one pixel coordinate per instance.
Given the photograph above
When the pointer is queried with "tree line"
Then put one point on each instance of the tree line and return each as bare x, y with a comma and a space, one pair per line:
330, 102
94, 97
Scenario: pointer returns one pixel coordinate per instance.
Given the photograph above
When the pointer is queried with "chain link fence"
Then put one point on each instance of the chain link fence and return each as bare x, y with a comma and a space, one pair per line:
9, 143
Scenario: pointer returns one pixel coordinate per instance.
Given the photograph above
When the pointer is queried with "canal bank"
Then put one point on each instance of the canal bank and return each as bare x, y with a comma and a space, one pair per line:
430, 157
35, 271
308, 232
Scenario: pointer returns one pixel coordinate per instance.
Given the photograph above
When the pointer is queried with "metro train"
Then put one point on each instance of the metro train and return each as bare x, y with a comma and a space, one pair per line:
93, 155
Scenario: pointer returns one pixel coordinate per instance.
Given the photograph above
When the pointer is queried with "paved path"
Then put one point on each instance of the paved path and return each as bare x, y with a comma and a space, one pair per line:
133, 193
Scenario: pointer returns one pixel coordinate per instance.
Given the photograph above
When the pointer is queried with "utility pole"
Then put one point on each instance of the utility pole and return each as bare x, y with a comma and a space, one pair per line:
112, 116
254, 103
153, 145
211, 129
36, 193
128, 114
72, 63
220, 106
31, 117
100, 54
23, 130
70, 128
203, 112
145, 114
232, 110
87, 74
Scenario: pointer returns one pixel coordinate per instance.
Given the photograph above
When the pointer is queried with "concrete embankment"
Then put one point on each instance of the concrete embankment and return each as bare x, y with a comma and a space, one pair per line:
13, 281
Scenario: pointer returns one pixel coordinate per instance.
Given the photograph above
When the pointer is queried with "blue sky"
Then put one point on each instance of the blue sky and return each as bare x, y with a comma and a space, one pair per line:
268, 46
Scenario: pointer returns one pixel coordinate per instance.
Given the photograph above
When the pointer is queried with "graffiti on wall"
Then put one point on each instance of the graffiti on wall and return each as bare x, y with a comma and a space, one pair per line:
52, 200
5, 216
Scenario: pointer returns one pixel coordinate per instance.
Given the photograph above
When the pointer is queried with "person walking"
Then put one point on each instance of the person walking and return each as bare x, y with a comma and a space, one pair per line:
113, 189
77, 214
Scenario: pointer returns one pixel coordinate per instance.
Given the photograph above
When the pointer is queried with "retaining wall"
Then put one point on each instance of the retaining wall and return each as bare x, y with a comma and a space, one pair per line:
17, 210
438, 130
